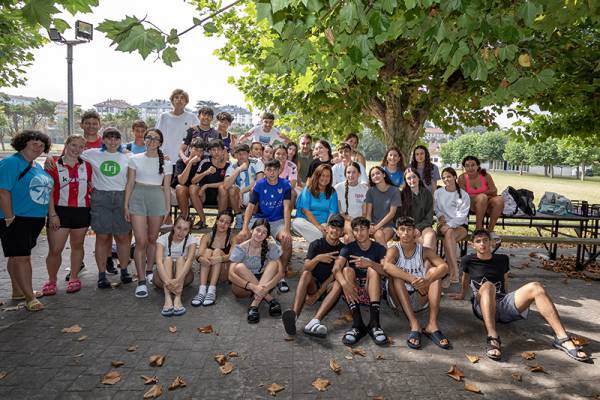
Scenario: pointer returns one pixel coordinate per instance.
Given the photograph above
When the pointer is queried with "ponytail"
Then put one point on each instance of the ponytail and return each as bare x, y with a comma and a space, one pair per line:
346, 185
161, 161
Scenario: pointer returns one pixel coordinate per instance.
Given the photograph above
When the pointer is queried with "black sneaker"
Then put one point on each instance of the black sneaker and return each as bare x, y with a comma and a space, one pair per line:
110, 266
253, 315
274, 308
103, 283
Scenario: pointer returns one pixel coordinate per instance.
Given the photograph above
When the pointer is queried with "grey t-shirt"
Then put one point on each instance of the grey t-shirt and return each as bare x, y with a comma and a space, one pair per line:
435, 176
253, 263
382, 201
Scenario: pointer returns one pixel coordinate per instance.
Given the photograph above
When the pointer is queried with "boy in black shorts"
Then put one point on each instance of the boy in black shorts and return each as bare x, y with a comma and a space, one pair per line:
317, 273
359, 269
487, 275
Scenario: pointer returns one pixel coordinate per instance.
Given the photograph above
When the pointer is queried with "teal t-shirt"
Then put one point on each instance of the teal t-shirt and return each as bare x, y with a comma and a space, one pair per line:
29, 195
321, 207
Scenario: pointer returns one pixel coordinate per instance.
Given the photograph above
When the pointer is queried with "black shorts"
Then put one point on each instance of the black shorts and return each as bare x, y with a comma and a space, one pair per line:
212, 197
73, 217
21, 236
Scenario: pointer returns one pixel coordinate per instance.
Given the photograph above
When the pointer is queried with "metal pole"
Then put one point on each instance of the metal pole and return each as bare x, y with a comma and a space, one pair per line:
70, 89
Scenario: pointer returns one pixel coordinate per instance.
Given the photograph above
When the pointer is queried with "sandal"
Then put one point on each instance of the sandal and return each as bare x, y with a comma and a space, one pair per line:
179, 311
289, 322
198, 299
167, 312
74, 286
353, 336
34, 305
491, 346
274, 308
437, 337
378, 336
317, 330
559, 343
49, 288
414, 336
36, 293
283, 286
253, 315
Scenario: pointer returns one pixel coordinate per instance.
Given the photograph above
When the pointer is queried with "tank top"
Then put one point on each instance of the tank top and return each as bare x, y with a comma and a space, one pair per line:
227, 142
472, 191
227, 246
413, 265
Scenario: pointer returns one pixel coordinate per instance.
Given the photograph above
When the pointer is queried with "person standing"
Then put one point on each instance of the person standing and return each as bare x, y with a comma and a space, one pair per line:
90, 123
175, 123
203, 131
138, 145
305, 158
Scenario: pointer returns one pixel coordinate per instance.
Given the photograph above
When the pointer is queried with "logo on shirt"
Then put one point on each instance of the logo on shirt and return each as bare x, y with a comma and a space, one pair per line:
40, 189
110, 168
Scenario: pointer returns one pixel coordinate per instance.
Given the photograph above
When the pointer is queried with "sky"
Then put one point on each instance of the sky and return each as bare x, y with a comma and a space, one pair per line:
100, 72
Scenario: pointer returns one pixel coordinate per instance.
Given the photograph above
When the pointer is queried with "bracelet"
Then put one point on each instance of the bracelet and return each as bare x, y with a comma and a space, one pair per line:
246, 285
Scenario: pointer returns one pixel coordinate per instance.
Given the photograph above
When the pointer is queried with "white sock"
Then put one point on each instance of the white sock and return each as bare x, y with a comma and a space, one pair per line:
202, 289
212, 289
312, 323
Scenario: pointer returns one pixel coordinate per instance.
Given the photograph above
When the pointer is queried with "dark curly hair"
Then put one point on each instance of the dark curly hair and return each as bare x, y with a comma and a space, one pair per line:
428, 167
400, 166
481, 171
20, 140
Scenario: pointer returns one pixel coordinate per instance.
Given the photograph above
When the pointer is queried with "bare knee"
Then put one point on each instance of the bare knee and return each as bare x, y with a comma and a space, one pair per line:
536, 288
487, 287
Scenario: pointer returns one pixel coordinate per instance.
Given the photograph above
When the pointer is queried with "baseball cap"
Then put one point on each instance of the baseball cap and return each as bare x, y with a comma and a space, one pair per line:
336, 220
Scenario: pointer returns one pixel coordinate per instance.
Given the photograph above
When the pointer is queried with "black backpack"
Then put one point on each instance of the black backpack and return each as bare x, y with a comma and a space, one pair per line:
524, 200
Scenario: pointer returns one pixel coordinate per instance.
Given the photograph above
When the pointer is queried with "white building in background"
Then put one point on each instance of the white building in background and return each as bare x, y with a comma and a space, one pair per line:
153, 108
111, 106
19, 100
241, 116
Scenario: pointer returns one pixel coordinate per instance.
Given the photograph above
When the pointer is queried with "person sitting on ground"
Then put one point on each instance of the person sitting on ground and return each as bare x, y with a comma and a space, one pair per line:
210, 190
265, 133
256, 269
352, 140
224, 120
351, 198
316, 203
240, 178
383, 201
174, 256
323, 154
428, 171
487, 275
203, 131
270, 199
452, 210
417, 202
413, 285
69, 213
358, 269
316, 276
483, 194
289, 170
138, 130
213, 256
256, 150
339, 169
393, 164
268, 153
184, 175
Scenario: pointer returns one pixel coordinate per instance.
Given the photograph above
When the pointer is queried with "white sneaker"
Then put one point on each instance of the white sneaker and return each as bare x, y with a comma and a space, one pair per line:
141, 291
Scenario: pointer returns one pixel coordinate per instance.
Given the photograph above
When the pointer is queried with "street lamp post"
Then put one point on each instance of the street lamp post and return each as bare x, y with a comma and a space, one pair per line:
85, 31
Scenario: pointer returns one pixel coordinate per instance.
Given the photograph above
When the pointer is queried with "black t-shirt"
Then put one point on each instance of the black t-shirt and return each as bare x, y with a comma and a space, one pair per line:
179, 167
196, 132
314, 164
375, 253
481, 271
217, 177
322, 270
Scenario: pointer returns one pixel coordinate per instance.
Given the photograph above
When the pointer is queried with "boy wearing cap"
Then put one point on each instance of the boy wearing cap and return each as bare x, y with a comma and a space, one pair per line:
316, 276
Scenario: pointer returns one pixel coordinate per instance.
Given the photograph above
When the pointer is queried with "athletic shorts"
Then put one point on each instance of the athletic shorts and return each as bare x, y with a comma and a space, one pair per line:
108, 212
276, 226
363, 291
212, 197
147, 201
20, 236
506, 310
73, 217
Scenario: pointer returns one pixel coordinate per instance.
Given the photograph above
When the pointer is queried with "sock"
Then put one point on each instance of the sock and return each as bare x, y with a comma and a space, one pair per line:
124, 271
141, 282
357, 321
202, 289
148, 273
312, 323
212, 289
374, 308
101, 276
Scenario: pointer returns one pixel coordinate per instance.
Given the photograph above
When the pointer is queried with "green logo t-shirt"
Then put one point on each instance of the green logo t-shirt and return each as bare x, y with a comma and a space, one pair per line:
110, 168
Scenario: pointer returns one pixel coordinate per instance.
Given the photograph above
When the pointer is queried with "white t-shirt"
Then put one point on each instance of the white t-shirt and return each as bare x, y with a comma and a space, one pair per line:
176, 248
109, 170
272, 137
174, 129
247, 177
339, 173
146, 169
453, 208
356, 198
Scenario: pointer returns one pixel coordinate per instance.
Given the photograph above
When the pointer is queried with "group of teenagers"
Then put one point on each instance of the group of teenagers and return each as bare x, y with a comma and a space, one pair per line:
348, 215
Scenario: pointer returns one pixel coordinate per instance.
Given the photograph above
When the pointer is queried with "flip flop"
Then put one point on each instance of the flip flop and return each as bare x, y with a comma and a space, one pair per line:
179, 311
167, 312
289, 322
559, 343
34, 305
492, 346
414, 335
437, 337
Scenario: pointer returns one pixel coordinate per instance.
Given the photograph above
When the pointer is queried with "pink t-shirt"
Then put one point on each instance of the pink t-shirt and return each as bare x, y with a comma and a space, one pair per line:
289, 171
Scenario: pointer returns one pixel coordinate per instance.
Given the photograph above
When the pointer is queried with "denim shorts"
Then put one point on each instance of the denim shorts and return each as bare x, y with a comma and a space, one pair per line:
506, 310
108, 212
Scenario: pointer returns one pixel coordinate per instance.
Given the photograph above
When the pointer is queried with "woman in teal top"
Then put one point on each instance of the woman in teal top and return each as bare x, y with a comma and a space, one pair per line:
316, 203
25, 190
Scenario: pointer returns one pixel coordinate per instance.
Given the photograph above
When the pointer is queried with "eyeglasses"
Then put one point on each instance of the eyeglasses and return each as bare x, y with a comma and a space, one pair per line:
152, 138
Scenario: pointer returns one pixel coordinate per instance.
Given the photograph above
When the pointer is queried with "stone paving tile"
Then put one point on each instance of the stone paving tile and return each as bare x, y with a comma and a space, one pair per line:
41, 362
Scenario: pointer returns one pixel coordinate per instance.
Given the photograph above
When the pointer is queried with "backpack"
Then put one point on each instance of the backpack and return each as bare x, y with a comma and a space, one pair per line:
518, 202
555, 204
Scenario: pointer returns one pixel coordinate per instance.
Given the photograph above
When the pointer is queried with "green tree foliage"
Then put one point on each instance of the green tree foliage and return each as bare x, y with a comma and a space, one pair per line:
579, 153
122, 121
491, 145
515, 153
545, 153
27, 116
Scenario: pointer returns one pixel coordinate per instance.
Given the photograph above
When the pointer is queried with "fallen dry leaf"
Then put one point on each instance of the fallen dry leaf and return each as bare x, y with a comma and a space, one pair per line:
360, 351
335, 367
321, 384
148, 380
221, 359
579, 341
455, 373
378, 398
111, 378
288, 338
115, 285
206, 329
172, 329
117, 364
226, 368
390, 341
348, 357
379, 357
290, 273
232, 354
154, 392
81, 338
78, 355
71, 329
517, 377
469, 387
157, 360
178, 382
472, 359
275, 388
537, 368
3, 375
528, 355
346, 316
131, 348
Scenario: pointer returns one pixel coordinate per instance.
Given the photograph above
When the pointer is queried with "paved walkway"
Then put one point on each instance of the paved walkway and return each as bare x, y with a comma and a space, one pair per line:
42, 362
